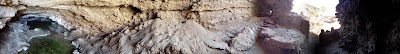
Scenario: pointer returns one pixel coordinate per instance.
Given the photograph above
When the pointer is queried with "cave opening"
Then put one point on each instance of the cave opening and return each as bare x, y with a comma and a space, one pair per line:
38, 24
47, 36
323, 23
320, 13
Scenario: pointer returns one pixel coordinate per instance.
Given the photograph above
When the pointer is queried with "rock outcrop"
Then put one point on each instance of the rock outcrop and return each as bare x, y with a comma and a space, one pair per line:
277, 40
364, 29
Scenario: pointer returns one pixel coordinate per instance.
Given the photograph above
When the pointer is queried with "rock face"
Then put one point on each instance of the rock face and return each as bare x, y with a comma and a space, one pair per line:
281, 40
365, 30
167, 26
6, 14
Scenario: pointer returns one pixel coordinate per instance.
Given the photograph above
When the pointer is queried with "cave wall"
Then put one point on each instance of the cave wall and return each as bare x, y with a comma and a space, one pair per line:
369, 26
167, 26
170, 26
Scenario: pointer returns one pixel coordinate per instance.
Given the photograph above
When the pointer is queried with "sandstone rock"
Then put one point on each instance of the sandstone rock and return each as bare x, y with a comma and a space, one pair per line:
6, 14
221, 4
243, 41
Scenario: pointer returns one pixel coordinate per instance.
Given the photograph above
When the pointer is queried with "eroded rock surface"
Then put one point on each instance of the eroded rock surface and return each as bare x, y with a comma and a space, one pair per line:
280, 40
6, 14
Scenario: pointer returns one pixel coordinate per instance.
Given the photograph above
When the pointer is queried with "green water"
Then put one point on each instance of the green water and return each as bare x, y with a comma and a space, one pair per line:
52, 44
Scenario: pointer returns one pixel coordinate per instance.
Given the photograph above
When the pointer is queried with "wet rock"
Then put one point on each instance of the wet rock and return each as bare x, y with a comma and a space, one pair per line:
18, 39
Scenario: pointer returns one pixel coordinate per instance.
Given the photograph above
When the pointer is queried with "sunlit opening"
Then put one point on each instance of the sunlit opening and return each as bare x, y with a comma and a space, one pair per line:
320, 13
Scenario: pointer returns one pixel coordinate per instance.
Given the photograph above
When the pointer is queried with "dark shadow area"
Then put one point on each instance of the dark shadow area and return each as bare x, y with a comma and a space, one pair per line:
39, 24
3, 38
135, 9
263, 8
329, 42
369, 26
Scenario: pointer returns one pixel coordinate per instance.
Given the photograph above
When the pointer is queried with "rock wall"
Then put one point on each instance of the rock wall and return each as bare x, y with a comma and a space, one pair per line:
169, 26
368, 26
